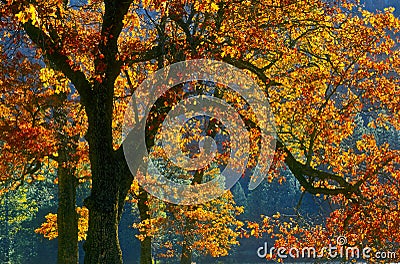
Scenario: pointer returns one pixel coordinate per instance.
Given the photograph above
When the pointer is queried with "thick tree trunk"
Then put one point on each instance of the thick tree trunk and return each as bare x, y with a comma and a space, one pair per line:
102, 245
67, 219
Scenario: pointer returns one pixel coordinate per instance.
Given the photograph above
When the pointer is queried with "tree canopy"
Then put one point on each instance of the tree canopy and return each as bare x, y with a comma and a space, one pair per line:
329, 69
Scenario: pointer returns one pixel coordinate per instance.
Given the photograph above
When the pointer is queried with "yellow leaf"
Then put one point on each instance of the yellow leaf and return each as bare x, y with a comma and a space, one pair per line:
214, 7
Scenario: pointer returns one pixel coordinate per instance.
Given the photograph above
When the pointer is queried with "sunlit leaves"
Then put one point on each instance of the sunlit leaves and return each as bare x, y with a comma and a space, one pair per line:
28, 14
323, 65
49, 228
215, 227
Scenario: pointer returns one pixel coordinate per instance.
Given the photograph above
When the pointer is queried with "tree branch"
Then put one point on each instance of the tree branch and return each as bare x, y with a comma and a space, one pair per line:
300, 170
241, 64
55, 56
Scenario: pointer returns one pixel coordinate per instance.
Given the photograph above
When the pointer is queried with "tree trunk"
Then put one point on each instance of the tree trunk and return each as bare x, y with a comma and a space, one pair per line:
145, 245
145, 251
7, 243
187, 252
67, 218
102, 245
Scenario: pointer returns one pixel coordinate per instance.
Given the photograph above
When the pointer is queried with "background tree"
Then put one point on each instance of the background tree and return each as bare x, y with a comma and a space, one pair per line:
40, 131
15, 209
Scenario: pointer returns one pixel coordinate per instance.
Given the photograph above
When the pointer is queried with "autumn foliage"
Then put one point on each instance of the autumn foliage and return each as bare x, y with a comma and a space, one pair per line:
69, 68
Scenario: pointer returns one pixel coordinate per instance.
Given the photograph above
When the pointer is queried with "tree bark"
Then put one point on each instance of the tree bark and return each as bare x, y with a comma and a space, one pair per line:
67, 218
102, 245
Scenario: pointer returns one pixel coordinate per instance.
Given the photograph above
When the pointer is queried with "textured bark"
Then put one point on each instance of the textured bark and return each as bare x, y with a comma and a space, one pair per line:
67, 219
102, 245
145, 251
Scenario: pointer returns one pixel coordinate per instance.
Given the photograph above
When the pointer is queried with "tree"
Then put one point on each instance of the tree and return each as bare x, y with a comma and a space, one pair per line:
15, 209
319, 63
40, 129
103, 209
215, 229
239, 196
